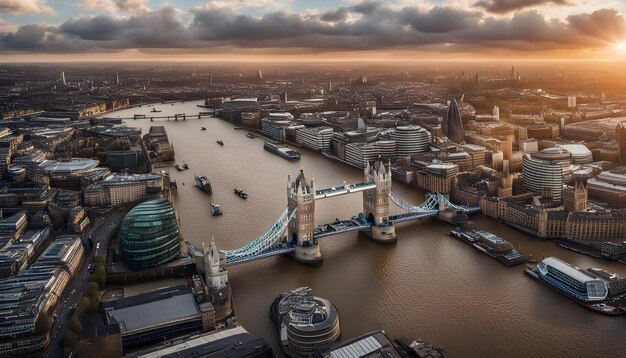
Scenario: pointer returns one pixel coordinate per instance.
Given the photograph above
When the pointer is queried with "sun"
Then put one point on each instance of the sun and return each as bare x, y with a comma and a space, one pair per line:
620, 47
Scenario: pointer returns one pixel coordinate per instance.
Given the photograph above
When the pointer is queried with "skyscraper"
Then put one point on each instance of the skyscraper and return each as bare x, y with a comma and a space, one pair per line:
620, 136
63, 78
453, 124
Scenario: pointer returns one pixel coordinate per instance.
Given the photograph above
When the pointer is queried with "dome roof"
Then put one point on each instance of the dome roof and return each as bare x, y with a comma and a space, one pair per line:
149, 235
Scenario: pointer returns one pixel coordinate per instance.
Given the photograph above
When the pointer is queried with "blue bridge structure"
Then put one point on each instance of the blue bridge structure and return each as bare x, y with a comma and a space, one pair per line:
295, 232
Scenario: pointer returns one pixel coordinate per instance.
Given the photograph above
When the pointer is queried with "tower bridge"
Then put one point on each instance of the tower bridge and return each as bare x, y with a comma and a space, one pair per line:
295, 232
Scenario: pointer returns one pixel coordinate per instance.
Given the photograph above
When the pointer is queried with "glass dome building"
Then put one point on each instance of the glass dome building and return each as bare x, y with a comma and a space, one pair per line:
149, 235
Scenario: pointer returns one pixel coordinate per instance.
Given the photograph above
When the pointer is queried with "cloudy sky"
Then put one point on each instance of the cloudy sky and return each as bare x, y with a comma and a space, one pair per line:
322, 29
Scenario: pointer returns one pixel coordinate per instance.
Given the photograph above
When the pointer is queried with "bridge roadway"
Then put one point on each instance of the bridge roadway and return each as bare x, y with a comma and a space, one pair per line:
344, 189
274, 241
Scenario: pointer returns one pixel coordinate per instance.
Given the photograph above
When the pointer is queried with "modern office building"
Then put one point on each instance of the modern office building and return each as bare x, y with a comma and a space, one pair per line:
33, 292
305, 322
149, 235
547, 171
66, 252
316, 138
232, 342
358, 154
571, 280
609, 187
453, 123
157, 315
122, 159
580, 154
411, 140
280, 125
620, 136
66, 173
374, 344
233, 110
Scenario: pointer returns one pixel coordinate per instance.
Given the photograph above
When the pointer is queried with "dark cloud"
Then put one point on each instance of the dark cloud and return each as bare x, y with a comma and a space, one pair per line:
367, 26
439, 19
604, 24
505, 6
335, 15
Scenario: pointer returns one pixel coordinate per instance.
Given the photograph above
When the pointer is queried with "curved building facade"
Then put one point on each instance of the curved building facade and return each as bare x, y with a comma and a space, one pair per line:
547, 171
453, 123
305, 322
149, 235
411, 140
571, 280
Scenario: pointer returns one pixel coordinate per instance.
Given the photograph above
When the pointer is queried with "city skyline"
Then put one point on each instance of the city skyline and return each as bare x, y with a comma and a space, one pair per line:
330, 30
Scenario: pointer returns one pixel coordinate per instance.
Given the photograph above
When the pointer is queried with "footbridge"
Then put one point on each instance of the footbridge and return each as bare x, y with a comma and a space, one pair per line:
295, 232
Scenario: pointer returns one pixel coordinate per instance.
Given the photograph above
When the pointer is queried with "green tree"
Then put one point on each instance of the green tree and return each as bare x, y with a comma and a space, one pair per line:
43, 323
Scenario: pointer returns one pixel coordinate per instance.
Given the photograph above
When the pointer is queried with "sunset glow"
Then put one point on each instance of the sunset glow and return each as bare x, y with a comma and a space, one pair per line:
197, 30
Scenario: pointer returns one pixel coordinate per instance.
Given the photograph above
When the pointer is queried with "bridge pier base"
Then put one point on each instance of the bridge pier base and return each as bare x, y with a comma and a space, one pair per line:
381, 234
311, 254
447, 216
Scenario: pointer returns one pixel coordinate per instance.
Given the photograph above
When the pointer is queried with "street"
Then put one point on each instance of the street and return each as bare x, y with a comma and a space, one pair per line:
101, 231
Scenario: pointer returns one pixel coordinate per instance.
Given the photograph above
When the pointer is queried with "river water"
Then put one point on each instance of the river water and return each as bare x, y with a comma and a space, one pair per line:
427, 285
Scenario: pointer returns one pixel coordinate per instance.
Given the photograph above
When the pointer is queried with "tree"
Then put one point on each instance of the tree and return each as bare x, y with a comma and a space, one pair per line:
70, 340
74, 323
43, 324
100, 277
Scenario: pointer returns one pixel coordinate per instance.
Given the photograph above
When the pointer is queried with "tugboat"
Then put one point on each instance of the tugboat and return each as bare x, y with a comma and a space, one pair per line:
251, 135
154, 110
185, 166
204, 184
203, 128
220, 142
241, 193
215, 209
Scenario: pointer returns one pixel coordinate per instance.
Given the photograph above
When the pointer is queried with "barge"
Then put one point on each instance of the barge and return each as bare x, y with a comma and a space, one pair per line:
491, 245
282, 151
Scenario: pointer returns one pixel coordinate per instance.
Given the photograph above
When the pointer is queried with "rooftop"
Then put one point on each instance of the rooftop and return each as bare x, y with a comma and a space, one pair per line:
154, 313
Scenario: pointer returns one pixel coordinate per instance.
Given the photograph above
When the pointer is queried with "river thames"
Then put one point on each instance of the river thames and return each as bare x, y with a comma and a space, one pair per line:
427, 285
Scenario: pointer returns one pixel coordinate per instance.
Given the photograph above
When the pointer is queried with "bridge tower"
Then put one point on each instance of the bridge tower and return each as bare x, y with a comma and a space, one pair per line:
376, 202
301, 196
216, 274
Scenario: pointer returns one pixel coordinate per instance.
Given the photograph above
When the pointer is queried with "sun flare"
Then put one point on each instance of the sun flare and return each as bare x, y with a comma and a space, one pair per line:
620, 47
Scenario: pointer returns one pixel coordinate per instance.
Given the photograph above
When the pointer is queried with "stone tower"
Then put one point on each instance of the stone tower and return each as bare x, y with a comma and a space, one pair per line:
301, 196
215, 272
376, 201
575, 199
505, 187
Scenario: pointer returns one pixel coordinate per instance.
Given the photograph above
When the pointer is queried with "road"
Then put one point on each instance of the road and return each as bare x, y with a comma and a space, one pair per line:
101, 232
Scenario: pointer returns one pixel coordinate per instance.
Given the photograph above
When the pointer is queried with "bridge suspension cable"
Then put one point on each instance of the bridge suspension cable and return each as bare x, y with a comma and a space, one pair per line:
265, 242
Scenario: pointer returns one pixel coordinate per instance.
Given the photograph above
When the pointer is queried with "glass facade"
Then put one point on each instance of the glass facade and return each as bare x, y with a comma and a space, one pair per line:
572, 281
149, 235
